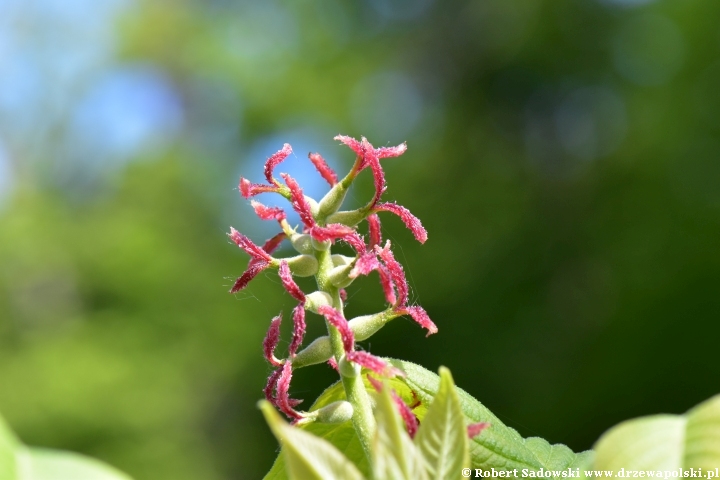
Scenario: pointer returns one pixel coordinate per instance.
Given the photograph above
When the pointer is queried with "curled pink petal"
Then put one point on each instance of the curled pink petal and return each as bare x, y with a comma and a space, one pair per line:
356, 242
335, 319
274, 160
388, 152
299, 204
332, 231
371, 362
421, 317
387, 285
284, 402
248, 189
411, 221
396, 273
273, 243
298, 329
411, 421
268, 213
374, 230
325, 171
271, 340
246, 244
354, 145
474, 429
371, 159
365, 263
288, 282
271, 385
252, 271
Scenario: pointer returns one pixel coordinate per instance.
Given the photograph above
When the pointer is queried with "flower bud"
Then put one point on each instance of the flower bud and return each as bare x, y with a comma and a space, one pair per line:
348, 368
339, 260
337, 412
332, 201
314, 207
303, 265
315, 300
321, 246
349, 217
366, 326
319, 351
302, 243
340, 276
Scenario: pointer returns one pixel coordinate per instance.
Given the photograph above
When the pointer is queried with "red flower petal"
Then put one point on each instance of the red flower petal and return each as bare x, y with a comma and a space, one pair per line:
299, 204
374, 230
365, 263
332, 231
284, 402
338, 321
388, 152
273, 243
411, 421
371, 362
252, 271
371, 159
387, 285
325, 171
248, 189
411, 221
268, 213
474, 429
246, 244
396, 273
354, 145
421, 317
271, 385
289, 284
356, 242
298, 329
271, 340
274, 160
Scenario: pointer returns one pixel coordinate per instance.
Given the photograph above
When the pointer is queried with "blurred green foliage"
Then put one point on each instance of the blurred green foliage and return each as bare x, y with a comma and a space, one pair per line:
563, 156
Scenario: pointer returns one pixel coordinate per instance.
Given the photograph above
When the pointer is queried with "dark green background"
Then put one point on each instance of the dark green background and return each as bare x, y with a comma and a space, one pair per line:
563, 155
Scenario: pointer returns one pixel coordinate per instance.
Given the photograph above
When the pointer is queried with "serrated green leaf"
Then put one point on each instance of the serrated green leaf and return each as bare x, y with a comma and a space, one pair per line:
664, 442
498, 446
306, 456
442, 438
395, 456
45, 464
8, 445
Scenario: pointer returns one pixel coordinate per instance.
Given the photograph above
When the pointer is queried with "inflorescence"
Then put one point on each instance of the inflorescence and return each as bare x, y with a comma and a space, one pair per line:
323, 224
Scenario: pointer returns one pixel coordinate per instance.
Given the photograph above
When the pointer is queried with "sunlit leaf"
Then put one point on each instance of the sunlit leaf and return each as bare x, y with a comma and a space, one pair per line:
664, 442
442, 437
8, 445
45, 464
395, 456
308, 457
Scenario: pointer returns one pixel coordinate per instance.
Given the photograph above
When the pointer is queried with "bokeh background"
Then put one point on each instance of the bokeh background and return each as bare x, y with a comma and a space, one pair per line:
563, 155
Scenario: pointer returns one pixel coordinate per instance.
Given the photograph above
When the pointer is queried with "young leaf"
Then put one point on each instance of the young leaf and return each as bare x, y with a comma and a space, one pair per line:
395, 457
8, 445
442, 438
664, 442
308, 457
45, 464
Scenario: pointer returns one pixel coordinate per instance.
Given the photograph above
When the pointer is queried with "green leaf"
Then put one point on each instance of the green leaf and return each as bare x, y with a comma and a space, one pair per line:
308, 457
45, 464
442, 438
498, 446
664, 442
395, 456
8, 445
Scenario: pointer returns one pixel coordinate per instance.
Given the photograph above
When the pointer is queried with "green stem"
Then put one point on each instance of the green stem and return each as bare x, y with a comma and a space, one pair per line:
355, 392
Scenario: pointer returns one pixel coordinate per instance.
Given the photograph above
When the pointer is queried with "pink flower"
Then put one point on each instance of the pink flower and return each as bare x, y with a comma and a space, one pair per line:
271, 340
411, 221
248, 189
325, 171
268, 213
260, 256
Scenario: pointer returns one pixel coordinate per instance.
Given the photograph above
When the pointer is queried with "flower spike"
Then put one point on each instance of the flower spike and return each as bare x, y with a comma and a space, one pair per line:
411, 221
397, 274
274, 160
289, 283
374, 230
325, 171
268, 213
298, 329
246, 244
338, 321
299, 203
283, 400
271, 340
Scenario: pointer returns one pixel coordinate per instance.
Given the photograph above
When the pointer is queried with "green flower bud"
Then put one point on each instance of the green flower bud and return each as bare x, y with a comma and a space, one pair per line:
349, 217
366, 326
332, 201
348, 369
302, 243
340, 276
319, 351
314, 207
315, 300
303, 265
338, 260
337, 412
321, 246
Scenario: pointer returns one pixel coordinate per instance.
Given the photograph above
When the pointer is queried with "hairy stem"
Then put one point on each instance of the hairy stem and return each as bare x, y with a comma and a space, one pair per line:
363, 419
